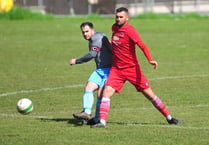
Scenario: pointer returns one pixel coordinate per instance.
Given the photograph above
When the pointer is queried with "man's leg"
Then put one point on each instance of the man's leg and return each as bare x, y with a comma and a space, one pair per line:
88, 100
158, 104
104, 107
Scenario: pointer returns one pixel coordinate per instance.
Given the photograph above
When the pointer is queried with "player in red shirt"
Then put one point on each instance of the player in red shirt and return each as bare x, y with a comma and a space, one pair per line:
125, 67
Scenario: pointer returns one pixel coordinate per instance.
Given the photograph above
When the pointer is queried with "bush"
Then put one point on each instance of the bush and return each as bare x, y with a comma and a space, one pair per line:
170, 16
19, 13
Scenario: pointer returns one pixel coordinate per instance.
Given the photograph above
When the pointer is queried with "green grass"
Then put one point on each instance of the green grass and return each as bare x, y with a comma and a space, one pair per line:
19, 13
34, 56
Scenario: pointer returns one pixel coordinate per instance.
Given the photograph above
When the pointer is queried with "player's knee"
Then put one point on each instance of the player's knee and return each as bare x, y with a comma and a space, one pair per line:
108, 91
91, 86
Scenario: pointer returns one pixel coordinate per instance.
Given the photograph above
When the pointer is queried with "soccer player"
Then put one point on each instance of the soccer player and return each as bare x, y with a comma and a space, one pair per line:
101, 50
125, 67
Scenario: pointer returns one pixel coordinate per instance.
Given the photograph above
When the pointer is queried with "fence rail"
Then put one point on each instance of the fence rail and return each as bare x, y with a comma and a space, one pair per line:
82, 7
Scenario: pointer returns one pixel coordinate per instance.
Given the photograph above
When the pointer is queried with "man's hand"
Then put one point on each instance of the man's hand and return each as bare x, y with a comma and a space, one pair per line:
72, 61
154, 63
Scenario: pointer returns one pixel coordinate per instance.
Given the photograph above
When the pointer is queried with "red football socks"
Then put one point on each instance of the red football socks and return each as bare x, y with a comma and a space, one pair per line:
104, 108
160, 106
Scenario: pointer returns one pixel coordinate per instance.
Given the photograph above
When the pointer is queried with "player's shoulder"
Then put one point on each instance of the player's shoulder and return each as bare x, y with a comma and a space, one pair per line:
98, 35
130, 29
126, 27
129, 26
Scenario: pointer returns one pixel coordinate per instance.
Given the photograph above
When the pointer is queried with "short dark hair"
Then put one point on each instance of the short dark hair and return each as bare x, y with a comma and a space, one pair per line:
87, 24
122, 9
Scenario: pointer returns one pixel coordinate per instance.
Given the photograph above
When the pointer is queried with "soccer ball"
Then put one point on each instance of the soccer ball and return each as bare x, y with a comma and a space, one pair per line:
24, 106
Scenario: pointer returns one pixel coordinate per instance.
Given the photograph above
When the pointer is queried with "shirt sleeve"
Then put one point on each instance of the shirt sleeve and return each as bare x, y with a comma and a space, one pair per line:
137, 39
86, 57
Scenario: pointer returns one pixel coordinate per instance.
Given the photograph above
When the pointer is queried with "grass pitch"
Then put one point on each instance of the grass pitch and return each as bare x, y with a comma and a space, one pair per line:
34, 58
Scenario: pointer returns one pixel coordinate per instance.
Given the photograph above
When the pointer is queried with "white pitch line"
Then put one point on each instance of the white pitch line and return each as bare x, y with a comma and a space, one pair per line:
39, 90
180, 77
168, 126
82, 85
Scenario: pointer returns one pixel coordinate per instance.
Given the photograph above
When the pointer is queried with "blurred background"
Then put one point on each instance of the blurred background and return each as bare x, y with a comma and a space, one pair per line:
107, 7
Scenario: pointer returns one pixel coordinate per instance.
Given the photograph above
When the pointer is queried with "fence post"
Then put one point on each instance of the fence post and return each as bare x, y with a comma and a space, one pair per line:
172, 7
90, 3
24, 3
89, 8
71, 9
152, 4
197, 5
41, 6
144, 3
136, 6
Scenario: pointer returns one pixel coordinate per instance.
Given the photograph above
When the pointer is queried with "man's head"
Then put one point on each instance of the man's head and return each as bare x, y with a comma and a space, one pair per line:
121, 16
87, 29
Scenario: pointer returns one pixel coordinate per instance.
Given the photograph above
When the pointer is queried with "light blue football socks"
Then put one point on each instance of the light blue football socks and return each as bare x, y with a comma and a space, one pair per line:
88, 100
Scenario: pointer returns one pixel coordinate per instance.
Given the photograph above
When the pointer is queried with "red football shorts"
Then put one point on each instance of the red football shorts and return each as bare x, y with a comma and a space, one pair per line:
117, 78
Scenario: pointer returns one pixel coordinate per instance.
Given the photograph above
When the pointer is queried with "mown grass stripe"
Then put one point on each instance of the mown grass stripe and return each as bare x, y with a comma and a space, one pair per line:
82, 85
122, 123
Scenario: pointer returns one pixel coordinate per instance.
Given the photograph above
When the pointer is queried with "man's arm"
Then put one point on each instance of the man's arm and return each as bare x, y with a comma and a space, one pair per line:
83, 59
154, 63
147, 53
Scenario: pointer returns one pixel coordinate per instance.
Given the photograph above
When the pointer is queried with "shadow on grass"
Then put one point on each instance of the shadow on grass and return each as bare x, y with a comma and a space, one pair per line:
68, 120
77, 122
137, 123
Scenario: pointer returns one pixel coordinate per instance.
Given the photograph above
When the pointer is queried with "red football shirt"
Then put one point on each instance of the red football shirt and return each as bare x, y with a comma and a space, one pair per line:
124, 40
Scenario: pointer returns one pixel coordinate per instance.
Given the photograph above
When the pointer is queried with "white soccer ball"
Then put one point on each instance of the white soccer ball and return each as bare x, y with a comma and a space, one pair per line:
24, 106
